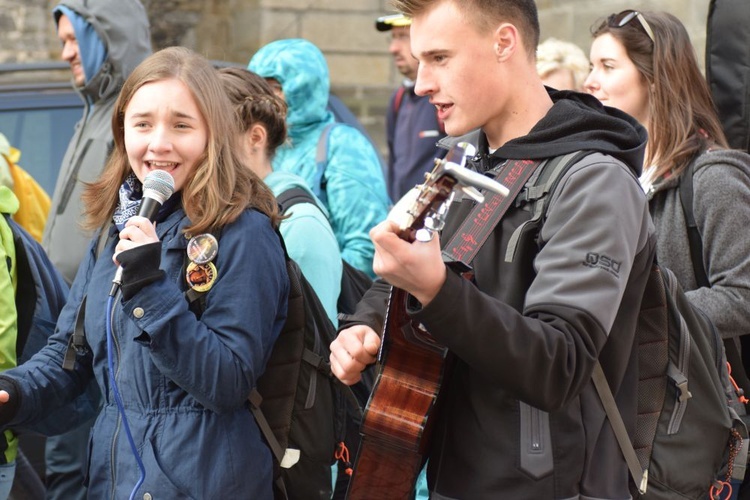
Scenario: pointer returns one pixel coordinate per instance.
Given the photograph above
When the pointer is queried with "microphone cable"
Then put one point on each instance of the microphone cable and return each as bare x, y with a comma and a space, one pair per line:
158, 186
116, 391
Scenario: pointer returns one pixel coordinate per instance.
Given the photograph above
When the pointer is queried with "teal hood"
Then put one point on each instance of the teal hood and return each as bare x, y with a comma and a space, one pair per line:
348, 178
301, 69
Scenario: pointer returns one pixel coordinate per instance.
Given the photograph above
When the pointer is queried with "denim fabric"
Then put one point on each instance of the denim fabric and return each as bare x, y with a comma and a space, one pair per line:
7, 471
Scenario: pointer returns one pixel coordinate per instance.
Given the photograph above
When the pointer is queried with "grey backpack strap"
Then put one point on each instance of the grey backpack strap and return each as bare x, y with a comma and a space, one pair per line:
77, 343
321, 152
640, 476
540, 186
255, 400
321, 161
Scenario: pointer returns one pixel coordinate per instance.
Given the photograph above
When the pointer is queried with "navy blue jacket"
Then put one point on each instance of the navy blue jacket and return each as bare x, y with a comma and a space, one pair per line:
183, 380
40, 296
412, 131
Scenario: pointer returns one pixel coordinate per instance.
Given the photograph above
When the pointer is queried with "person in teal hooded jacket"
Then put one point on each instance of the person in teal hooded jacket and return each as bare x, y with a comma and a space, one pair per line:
307, 234
350, 180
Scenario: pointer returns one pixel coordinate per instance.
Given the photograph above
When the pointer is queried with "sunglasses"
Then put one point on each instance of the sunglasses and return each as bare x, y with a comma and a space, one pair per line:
624, 17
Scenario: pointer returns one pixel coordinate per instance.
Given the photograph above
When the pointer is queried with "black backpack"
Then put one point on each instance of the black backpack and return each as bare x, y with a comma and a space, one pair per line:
738, 357
689, 437
728, 67
354, 283
300, 407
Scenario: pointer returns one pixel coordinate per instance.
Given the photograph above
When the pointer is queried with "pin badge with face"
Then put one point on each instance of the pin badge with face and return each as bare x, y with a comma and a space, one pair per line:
202, 248
201, 277
201, 272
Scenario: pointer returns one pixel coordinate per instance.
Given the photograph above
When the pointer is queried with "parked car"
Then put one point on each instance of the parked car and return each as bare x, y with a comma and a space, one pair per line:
38, 113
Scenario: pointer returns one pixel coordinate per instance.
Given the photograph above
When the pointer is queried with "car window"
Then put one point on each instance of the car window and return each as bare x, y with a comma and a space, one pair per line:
42, 136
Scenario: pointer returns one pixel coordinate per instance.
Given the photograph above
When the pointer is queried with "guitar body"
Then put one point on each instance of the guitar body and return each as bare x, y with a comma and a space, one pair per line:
402, 408
399, 415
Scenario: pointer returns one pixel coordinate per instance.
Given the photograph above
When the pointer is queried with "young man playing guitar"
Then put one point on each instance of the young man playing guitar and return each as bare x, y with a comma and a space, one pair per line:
519, 416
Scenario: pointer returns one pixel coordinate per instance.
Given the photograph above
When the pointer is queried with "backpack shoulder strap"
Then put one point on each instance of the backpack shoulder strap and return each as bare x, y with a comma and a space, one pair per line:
398, 98
77, 343
640, 476
731, 347
539, 188
321, 159
321, 151
694, 236
550, 176
294, 196
255, 400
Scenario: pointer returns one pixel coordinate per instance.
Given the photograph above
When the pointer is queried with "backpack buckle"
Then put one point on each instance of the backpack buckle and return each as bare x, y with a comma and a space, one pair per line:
684, 393
643, 487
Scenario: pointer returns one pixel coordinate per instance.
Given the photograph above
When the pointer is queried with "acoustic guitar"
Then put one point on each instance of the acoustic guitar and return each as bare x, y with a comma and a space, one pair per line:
402, 407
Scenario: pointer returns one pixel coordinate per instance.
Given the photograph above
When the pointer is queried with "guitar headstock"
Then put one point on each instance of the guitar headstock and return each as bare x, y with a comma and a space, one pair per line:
428, 204
423, 210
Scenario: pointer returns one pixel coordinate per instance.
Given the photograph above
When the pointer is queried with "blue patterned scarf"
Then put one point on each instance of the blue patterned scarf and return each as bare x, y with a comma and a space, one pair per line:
131, 193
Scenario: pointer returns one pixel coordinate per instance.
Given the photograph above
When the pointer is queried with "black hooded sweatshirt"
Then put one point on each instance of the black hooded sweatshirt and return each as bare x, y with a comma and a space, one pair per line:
519, 416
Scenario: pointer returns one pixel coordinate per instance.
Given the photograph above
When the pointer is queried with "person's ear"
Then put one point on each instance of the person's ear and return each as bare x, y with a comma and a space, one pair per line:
257, 137
506, 41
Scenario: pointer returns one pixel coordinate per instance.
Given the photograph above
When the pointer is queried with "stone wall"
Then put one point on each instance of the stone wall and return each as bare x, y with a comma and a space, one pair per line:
24, 25
361, 69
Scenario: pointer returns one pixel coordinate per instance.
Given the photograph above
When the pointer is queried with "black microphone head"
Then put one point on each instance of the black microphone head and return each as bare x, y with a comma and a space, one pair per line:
158, 185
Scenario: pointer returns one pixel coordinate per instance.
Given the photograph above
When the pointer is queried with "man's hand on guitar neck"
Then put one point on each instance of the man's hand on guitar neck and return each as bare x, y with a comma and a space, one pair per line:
352, 350
415, 267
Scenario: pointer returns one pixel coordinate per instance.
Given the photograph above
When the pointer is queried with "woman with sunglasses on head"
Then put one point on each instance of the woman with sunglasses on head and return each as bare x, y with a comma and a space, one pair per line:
644, 64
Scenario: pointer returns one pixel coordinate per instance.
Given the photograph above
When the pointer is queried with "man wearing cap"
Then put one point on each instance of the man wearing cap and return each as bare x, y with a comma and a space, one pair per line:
412, 127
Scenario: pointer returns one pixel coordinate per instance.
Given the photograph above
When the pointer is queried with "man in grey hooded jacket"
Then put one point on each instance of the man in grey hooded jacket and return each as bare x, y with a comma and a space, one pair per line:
103, 42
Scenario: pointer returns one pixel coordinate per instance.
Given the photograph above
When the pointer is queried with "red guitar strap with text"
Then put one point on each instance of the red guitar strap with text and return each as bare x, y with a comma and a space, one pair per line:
481, 221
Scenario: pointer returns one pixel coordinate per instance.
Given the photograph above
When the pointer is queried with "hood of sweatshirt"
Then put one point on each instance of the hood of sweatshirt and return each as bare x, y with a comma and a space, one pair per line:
577, 122
122, 27
301, 69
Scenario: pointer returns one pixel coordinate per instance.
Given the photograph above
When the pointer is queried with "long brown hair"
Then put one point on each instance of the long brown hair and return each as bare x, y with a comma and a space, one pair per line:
487, 15
682, 116
220, 187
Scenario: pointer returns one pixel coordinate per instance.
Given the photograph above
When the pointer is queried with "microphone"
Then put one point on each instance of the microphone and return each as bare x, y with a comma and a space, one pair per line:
158, 186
